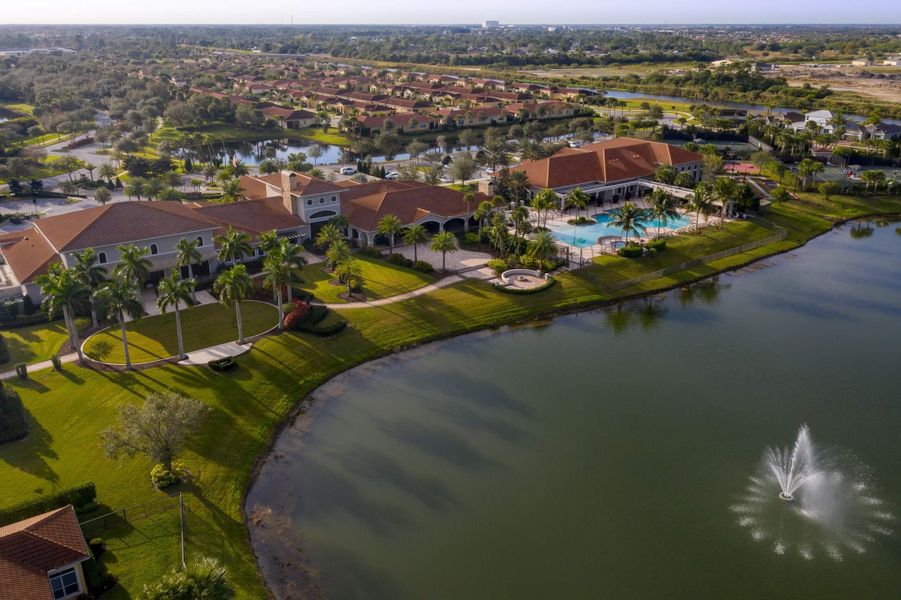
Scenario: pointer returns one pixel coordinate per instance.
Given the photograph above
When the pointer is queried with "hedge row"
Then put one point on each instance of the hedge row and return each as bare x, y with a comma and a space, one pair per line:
78, 496
4, 351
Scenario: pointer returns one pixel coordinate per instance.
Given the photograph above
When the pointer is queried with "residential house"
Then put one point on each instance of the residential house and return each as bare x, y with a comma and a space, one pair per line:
552, 109
823, 119
884, 131
861, 62
399, 123
41, 557
290, 118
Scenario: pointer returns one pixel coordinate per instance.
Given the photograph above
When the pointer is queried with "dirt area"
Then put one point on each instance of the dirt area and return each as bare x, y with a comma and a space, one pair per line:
611, 71
883, 83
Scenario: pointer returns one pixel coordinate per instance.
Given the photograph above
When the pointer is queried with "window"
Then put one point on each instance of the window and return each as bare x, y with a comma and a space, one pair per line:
322, 201
200, 240
64, 583
154, 249
334, 198
101, 258
310, 202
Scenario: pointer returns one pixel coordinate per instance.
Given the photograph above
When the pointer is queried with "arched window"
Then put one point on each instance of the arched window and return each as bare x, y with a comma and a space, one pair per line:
200, 240
101, 258
154, 249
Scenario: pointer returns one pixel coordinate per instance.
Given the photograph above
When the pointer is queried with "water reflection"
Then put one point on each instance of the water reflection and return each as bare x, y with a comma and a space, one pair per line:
706, 292
861, 229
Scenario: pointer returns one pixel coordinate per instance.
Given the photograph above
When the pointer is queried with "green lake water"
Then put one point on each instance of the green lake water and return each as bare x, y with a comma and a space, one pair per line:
603, 455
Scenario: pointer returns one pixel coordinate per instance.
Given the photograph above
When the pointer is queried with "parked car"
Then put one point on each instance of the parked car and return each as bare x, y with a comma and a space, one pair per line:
445, 179
348, 170
392, 175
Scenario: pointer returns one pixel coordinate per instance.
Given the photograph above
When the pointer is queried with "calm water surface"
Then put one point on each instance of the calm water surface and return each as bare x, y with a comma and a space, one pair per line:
599, 456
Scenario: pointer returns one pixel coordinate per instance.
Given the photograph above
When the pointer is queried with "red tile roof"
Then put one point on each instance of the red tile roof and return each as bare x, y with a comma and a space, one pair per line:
365, 205
612, 160
31, 548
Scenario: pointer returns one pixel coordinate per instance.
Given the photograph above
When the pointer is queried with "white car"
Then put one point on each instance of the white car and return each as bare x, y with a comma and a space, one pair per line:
347, 170
392, 175
445, 179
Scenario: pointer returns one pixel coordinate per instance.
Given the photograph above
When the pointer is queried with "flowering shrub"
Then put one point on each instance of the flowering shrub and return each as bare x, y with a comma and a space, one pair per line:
298, 315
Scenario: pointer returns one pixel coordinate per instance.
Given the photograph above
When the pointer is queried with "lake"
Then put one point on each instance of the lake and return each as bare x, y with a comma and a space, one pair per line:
609, 454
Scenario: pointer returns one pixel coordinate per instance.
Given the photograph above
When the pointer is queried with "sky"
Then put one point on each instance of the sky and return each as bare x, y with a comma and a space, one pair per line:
446, 11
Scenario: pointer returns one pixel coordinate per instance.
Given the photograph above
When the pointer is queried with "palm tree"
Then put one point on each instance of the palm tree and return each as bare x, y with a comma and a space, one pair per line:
172, 291
187, 255
414, 235
700, 201
520, 217
544, 201
118, 296
444, 242
348, 272
268, 241
329, 235
542, 247
724, 189
133, 267
277, 273
92, 274
233, 285
61, 288
135, 188
388, 226
233, 245
292, 256
629, 218
663, 207
481, 213
231, 190
107, 171
577, 199
337, 253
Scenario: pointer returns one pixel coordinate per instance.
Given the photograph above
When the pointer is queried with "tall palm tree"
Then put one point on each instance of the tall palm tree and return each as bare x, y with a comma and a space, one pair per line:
107, 171
61, 288
444, 242
118, 295
414, 235
337, 252
92, 274
481, 213
629, 218
268, 241
133, 266
577, 199
233, 245
292, 256
173, 290
520, 217
328, 235
724, 189
233, 285
663, 207
276, 275
701, 201
388, 226
543, 202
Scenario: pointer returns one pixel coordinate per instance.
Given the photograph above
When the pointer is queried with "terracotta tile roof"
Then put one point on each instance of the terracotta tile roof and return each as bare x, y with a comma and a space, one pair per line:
612, 160
119, 223
31, 548
254, 216
365, 205
30, 256
253, 186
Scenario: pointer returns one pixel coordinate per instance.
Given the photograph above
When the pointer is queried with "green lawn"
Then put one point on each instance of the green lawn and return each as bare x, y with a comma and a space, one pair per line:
36, 342
153, 338
232, 133
18, 107
67, 410
382, 279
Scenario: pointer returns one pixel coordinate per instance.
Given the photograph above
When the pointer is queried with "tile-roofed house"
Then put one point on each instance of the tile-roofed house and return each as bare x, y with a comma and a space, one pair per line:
290, 118
40, 557
608, 168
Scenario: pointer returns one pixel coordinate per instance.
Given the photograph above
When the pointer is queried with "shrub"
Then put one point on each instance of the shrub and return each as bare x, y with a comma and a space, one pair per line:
471, 238
300, 312
780, 194
77, 496
581, 221
12, 415
97, 578
163, 477
498, 266
400, 259
328, 328
4, 350
223, 365
631, 251
659, 244
425, 267
371, 252
97, 546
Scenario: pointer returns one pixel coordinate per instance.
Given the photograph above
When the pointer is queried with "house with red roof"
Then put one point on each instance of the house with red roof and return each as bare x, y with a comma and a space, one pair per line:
41, 557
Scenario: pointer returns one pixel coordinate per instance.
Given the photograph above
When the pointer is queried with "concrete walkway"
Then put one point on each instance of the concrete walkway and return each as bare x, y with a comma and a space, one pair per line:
38, 366
479, 273
202, 357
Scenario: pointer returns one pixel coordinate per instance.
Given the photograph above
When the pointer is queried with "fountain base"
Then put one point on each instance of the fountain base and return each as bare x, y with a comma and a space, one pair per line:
786, 497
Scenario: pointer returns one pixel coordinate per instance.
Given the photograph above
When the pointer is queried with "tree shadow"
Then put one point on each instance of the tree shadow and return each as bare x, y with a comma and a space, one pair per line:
39, 443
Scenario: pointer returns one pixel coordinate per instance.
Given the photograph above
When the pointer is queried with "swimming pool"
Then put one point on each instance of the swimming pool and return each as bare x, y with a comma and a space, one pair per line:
582, 236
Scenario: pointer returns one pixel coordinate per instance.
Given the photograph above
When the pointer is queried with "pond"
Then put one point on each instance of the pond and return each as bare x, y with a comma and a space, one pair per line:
252, 153
608, 454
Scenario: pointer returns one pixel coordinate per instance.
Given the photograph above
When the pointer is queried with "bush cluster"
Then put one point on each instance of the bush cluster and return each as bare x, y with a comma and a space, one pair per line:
371, 252
4, 351
12, 415
631, 251
400, 259
78, 496
163, 477
423, 266
498, 265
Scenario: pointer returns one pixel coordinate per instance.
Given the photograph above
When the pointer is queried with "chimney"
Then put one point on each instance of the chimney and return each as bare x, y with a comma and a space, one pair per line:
287, 186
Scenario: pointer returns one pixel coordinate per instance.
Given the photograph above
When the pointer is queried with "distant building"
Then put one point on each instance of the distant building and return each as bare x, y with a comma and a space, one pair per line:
491, 24
861, 62
892, 61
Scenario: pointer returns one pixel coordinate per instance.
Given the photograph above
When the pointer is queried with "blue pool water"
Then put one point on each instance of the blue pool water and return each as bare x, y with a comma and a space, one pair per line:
587, 235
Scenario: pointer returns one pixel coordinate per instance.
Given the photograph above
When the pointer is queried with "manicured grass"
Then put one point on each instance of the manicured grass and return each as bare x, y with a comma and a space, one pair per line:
381, 279
67, 410
152, 338
331, 137
35, 343
18, 107
232, 133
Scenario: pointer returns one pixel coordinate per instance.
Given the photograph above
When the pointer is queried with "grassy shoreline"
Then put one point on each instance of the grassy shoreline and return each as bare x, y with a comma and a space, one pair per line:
67, 410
